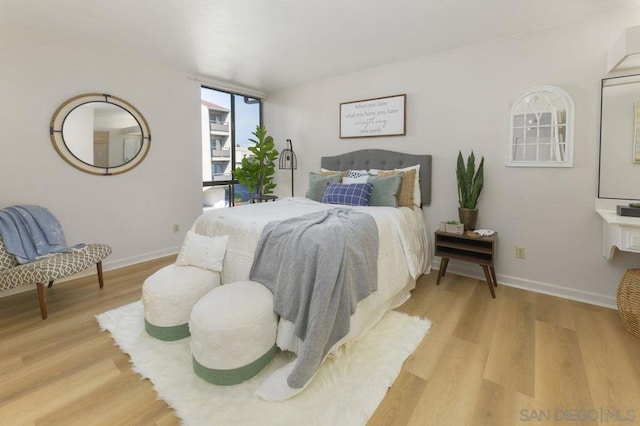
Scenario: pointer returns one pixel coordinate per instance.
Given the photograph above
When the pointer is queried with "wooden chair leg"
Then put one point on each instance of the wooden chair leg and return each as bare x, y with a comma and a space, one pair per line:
50, 284
489, 278
443, 269
100, 278
493, 275
41, 300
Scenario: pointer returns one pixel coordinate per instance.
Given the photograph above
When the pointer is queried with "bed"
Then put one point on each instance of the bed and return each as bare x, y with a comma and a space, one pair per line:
402, 251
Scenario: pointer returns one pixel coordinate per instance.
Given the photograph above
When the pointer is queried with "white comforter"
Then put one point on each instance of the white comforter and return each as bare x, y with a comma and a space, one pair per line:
244, 226
402, 255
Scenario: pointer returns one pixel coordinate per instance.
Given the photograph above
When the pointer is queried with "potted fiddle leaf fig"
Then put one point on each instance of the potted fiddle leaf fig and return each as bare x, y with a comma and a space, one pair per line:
256, 172
470, 182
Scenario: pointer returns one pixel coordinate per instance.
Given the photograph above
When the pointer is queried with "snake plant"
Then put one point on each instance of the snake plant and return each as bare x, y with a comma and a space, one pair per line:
470, 181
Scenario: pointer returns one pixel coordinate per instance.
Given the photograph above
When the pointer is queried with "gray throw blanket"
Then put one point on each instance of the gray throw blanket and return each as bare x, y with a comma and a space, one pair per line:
318, 267
31, 232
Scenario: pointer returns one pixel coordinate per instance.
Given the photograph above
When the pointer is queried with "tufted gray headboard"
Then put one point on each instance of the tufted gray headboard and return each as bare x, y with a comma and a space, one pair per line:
366, 159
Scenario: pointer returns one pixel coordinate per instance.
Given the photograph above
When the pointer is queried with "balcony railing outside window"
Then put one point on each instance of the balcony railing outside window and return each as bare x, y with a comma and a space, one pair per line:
224, 152
218, 126
221, 176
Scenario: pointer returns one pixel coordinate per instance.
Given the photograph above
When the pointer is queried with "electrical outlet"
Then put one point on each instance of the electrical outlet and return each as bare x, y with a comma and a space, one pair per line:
520, 252
176, 228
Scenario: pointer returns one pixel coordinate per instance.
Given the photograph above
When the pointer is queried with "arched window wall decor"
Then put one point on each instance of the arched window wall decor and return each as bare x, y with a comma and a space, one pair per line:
541, 129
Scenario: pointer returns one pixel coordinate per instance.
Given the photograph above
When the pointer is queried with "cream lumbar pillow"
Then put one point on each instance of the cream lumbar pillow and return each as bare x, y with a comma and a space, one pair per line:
327, 172
203, 251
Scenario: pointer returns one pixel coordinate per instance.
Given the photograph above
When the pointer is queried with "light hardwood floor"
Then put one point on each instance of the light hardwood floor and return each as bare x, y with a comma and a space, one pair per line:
505, 361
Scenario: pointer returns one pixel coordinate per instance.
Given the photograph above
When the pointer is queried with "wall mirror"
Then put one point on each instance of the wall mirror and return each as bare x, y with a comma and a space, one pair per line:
620, 138
541, 129
100, 134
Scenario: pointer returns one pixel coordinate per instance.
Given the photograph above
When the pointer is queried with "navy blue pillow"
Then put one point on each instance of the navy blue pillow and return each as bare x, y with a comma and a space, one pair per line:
352, 194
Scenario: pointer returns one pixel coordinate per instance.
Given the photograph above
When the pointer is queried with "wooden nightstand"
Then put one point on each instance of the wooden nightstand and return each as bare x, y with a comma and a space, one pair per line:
476, 250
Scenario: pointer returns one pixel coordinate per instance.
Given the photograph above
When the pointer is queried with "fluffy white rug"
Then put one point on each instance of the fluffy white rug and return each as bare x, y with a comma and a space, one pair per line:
345, 391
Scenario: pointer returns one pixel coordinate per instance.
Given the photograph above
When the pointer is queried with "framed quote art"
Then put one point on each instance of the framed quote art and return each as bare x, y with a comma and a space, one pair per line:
373, 117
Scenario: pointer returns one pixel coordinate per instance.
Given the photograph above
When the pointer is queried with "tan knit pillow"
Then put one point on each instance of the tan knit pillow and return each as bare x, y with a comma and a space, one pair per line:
325, 172
405, 196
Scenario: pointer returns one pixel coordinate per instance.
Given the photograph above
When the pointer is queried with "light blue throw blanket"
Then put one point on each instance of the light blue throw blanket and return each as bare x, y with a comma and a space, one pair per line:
31, 232
318, 267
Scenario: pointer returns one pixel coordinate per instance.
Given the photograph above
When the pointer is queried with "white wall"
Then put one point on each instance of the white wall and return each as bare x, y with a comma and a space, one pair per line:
458, 100
135, 211
205, 143
455, 100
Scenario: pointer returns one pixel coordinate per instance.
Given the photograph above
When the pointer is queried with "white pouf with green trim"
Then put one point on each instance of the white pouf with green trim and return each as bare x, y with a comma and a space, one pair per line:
233, 333
169, 295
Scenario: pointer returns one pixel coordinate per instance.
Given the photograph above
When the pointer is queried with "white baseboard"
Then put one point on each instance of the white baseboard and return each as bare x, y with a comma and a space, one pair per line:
121, 263
474, 271
464, 269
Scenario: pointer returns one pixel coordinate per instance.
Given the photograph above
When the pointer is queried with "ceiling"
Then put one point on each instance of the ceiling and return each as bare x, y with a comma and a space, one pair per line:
271, 45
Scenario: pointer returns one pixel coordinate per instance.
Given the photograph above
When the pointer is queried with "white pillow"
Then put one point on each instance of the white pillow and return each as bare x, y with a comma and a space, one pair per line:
417, 197
357, 173
359, 179
202, 251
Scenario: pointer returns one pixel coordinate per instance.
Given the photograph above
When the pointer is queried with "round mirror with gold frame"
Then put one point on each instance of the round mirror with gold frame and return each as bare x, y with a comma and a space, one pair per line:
100, 134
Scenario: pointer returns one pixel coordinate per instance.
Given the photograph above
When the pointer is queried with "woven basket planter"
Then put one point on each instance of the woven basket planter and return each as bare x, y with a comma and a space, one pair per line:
628, 299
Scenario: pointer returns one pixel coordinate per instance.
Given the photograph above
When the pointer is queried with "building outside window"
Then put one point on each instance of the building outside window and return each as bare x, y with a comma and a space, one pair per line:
228, 121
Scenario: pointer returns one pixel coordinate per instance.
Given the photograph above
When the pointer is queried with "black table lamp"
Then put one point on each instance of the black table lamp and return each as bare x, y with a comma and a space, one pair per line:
288, 161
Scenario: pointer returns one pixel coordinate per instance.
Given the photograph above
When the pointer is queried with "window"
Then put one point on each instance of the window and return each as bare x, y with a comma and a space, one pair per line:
216, 117
218, 169
228, 121
217, 144
541, 129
